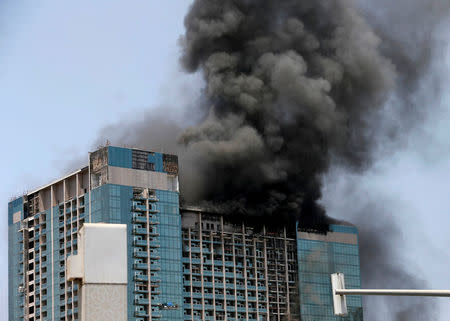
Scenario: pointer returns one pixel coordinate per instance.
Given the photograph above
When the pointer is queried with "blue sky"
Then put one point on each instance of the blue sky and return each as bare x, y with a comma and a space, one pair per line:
67, 69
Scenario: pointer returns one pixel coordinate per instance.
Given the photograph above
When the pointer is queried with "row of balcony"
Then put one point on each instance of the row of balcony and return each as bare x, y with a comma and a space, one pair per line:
144, 266
143, 313
144, 231
230, 308
222, 285
144, 278
200, 295
143, 209
210, 262
140, 197
220, 274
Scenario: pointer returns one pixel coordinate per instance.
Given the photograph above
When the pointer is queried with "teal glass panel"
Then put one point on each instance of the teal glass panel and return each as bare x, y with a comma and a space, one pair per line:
120, 157
157, 159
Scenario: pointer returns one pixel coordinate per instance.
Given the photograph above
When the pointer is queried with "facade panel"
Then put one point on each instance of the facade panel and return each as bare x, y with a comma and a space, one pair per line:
120, 157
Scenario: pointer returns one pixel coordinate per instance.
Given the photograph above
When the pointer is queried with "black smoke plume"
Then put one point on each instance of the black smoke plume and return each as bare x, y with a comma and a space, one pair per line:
288, 85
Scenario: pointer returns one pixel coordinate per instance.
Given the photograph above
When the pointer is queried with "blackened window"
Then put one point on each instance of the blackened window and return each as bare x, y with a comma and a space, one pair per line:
140, 161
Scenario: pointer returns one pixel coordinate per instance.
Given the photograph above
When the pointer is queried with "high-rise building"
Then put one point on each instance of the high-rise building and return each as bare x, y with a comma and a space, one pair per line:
181, 264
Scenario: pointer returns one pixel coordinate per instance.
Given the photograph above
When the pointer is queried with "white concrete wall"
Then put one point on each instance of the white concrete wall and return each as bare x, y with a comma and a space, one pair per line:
141, 178
104, 302
101, 268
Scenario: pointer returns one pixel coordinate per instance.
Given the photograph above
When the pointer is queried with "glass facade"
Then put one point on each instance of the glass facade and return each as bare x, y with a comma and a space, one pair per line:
318, 257
170, 255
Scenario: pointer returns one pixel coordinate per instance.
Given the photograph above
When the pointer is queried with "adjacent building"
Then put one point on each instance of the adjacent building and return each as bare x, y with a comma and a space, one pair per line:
182, 264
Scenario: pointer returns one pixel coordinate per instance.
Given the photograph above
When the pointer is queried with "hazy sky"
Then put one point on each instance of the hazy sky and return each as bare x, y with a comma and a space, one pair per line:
69, 69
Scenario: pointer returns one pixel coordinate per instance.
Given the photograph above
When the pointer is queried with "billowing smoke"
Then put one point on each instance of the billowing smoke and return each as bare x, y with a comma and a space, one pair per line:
289, 84
292, 89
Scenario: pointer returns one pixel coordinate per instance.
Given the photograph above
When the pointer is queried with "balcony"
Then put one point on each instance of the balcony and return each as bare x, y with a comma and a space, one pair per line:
139, 231
207, 284
155, 291
140, 313
141, 301
140, 266
137, 253
140, 290
139, 218
138, 197
139, 208
139, 277
139, 242
153, 211
154, 256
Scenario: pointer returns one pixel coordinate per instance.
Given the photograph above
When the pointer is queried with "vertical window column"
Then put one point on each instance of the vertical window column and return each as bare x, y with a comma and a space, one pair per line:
244, 251
233, 242
256, 278
266, 269
201, 264
224, 284
213, 273
286, 268
149, 260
